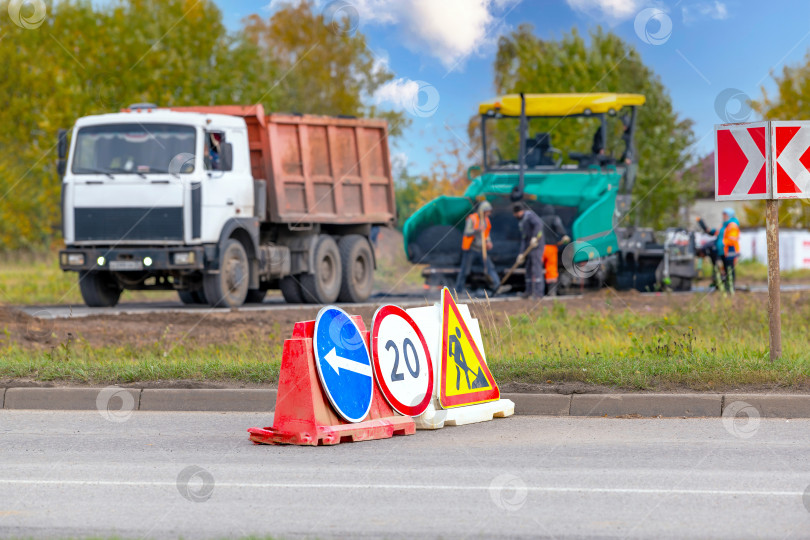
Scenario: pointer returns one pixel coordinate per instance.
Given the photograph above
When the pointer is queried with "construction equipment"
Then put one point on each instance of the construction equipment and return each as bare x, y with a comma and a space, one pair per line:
590, 191
222, 203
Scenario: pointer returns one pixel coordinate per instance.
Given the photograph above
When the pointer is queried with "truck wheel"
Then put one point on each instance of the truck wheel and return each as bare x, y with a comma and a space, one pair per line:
229, 287
357, 262
99, 289
187, 297
323, 286
192, 297
255, 296
291, 290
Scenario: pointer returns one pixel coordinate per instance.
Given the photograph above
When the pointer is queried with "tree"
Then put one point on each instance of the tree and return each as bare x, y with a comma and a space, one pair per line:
790, 102
603, 63
325, 66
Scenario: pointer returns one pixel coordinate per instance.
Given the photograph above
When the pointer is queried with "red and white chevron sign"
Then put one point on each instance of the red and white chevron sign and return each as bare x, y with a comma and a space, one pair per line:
740, 162
791, 157
762, 160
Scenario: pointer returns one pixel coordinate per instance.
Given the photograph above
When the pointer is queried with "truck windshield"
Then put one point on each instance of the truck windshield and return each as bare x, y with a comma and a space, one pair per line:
135, 148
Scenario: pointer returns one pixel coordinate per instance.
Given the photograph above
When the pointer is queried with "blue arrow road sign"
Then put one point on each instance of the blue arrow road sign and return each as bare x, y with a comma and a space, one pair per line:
344, 365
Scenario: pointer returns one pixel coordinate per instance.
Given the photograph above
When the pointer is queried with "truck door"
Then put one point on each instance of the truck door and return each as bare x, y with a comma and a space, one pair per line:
228, 190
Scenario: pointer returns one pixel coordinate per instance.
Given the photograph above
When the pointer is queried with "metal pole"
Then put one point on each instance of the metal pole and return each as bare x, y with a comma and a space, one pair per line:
774, 298
484, 139
517, 192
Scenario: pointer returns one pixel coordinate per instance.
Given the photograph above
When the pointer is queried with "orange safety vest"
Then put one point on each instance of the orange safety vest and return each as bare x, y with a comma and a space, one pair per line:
467, 240
731, 237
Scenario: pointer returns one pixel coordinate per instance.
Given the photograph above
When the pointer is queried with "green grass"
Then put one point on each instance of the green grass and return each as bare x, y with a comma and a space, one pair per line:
707, 345
751, 270
35, 278
76, 362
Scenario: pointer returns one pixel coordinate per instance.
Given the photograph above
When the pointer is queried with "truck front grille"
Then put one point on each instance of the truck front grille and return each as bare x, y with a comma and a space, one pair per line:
127, 224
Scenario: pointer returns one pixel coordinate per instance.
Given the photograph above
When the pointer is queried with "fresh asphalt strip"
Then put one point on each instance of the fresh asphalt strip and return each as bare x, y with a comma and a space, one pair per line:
114, 398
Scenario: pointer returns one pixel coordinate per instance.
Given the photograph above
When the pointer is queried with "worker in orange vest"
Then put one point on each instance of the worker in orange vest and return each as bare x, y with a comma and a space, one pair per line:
476, 235
555, 236
728, 246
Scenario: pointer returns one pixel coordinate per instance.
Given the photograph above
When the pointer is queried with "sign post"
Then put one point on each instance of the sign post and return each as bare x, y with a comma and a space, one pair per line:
774, 292
765, 161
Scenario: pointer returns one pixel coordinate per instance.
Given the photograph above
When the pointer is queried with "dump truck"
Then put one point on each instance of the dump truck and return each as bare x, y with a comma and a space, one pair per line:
588, 188
223, 203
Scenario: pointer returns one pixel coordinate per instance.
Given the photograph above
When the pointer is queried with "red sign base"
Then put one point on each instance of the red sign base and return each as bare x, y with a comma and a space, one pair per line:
303, 414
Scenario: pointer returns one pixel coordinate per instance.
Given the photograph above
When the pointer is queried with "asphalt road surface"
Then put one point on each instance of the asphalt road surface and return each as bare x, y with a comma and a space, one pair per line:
276, 303
158, 475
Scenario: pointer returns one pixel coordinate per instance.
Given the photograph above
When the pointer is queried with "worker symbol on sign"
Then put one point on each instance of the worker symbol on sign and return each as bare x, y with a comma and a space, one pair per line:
457, 353
465, 378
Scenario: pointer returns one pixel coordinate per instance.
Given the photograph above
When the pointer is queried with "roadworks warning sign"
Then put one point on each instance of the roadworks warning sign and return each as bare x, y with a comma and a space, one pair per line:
464, 378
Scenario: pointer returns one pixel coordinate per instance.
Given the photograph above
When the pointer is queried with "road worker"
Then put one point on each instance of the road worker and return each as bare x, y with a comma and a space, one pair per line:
728, 246
555, 236
475, 244
532, 245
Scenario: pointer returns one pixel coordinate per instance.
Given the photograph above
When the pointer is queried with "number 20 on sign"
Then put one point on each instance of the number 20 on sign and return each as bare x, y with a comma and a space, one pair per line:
402, 363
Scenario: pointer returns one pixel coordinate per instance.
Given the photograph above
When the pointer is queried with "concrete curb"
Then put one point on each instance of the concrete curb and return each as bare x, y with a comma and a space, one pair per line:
237, 400
769, 406
541, 404
666, 405
114, 398
72, 399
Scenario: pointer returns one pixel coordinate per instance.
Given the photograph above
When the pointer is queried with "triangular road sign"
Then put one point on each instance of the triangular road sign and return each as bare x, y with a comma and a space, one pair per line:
464, 378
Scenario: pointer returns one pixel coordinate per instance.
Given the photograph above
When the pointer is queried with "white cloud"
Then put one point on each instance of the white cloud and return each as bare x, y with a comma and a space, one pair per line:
401, 93
417, 98
449, 30
614, 10
711, 10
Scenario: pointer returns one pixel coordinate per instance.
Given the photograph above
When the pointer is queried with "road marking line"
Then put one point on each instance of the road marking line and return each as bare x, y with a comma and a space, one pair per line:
281, 485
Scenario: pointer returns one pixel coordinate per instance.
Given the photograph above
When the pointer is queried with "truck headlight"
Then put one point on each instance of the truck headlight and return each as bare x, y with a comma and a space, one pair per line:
184, 257
73, 259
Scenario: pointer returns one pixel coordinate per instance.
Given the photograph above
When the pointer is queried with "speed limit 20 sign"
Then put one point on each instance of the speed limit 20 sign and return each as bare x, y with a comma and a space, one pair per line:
402, 363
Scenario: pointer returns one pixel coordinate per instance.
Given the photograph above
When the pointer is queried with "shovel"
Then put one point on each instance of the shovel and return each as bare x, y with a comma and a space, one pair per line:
502, 287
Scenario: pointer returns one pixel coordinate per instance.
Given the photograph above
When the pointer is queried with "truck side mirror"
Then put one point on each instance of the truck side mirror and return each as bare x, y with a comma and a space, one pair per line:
226, 158
61, 151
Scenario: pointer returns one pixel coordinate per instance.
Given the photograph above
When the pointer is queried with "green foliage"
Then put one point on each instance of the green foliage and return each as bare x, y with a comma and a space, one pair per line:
90, 58
603, 63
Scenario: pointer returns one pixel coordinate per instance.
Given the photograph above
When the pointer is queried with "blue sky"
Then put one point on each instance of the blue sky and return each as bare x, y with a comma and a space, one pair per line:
700, 49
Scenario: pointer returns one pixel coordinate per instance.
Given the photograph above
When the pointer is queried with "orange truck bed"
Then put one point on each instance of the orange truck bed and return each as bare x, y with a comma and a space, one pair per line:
318, 169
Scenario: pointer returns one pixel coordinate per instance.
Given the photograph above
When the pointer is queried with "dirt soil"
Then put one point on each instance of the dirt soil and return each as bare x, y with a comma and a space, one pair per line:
203, 328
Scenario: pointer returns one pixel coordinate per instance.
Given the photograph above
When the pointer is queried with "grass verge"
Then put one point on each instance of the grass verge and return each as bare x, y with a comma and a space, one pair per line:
35, 278
706, 344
